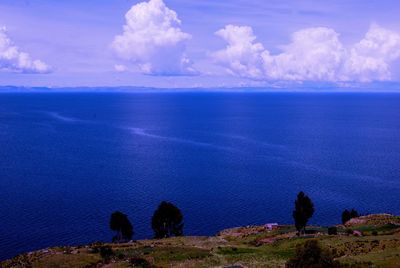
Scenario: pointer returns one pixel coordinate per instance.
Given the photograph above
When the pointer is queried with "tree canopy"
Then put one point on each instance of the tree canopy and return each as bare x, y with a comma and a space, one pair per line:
303, 211
120, 223
348, 215
167, 221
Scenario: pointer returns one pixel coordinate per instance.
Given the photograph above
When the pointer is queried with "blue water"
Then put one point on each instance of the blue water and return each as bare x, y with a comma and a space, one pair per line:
68, 160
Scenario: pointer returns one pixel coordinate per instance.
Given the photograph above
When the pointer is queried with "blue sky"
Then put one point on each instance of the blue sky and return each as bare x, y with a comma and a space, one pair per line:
197, 43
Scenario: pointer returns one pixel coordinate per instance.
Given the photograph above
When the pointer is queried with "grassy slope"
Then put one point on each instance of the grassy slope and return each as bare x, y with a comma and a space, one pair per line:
247, 246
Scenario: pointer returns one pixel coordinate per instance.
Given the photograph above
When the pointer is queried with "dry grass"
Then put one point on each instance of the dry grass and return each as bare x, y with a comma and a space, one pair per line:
247, 246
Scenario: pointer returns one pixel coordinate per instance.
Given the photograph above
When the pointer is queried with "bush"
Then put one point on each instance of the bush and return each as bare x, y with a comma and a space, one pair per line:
311, 255
332, 230
106, 252
139, 262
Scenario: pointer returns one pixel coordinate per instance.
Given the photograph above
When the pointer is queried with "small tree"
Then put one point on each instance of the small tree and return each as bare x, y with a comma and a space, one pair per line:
311, 255
167, 221
354, 214
348, 215
345, 216
303, 211
120, 223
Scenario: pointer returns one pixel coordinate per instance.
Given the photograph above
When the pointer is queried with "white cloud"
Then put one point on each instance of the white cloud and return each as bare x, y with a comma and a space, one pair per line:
152, 40
371, 58
242, 55
120, 68
11, 59
314, 54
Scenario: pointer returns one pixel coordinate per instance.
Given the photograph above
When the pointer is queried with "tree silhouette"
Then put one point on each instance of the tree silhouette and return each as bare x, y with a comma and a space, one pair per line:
348, 215
120, 223
311, 255
303, 211
354, 213
345, 216
167, 221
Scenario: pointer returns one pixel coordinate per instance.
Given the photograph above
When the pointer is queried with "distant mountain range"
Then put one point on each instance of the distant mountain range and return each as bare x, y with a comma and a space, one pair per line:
272, 87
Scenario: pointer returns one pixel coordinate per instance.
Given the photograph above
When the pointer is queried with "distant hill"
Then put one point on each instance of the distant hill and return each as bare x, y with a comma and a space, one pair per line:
278, 86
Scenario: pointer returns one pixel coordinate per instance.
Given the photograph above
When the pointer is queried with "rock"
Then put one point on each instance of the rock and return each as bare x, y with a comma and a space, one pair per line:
357, 233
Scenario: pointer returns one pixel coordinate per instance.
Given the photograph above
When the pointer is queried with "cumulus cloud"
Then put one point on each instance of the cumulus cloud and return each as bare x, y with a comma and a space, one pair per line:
152, 40
371, 58
314, 54
12, 59
242, 55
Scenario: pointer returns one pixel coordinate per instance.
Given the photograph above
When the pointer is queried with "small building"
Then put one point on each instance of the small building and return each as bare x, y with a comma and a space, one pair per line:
271, 226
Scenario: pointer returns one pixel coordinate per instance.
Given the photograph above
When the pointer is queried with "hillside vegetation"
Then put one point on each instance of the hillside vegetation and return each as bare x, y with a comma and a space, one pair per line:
367, 241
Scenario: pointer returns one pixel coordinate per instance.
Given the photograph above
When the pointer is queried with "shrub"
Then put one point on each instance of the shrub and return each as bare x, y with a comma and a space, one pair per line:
139, 262
311, 255
332, 230
106, 252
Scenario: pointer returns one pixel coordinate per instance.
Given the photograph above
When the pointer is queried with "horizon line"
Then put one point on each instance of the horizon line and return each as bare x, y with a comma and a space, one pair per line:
307, 88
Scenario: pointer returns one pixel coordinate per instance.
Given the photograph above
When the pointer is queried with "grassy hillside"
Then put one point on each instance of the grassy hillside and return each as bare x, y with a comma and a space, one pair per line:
378, 246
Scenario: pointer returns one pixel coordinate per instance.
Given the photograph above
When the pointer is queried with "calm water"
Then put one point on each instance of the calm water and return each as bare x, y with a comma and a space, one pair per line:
67, 161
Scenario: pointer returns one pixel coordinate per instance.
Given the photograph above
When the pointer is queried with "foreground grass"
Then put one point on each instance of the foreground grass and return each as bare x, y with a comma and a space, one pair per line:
379, 246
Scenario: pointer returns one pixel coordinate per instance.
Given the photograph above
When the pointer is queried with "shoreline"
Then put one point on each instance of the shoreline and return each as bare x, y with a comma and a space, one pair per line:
370, 235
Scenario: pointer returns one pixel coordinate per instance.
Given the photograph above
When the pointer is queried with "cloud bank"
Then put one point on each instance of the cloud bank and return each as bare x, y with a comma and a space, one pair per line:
314, 54
11, 59
152, 40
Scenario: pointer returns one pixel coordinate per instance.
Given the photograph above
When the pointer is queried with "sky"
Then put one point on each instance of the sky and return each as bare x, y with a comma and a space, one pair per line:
198, 43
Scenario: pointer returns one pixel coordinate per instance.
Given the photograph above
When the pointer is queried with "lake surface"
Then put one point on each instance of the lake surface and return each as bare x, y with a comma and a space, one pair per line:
68, 160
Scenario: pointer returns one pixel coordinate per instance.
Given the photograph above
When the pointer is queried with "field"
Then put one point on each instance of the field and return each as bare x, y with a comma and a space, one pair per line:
368, 241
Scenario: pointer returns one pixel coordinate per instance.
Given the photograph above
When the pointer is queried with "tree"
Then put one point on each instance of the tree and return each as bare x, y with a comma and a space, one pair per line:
348, 215
345, 216
354, 214
120, 223
303, 211
167, 221
311, 255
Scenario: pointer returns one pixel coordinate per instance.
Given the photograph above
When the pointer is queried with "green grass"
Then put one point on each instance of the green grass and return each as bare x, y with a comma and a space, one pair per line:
176, 254
382, 230
237, 246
